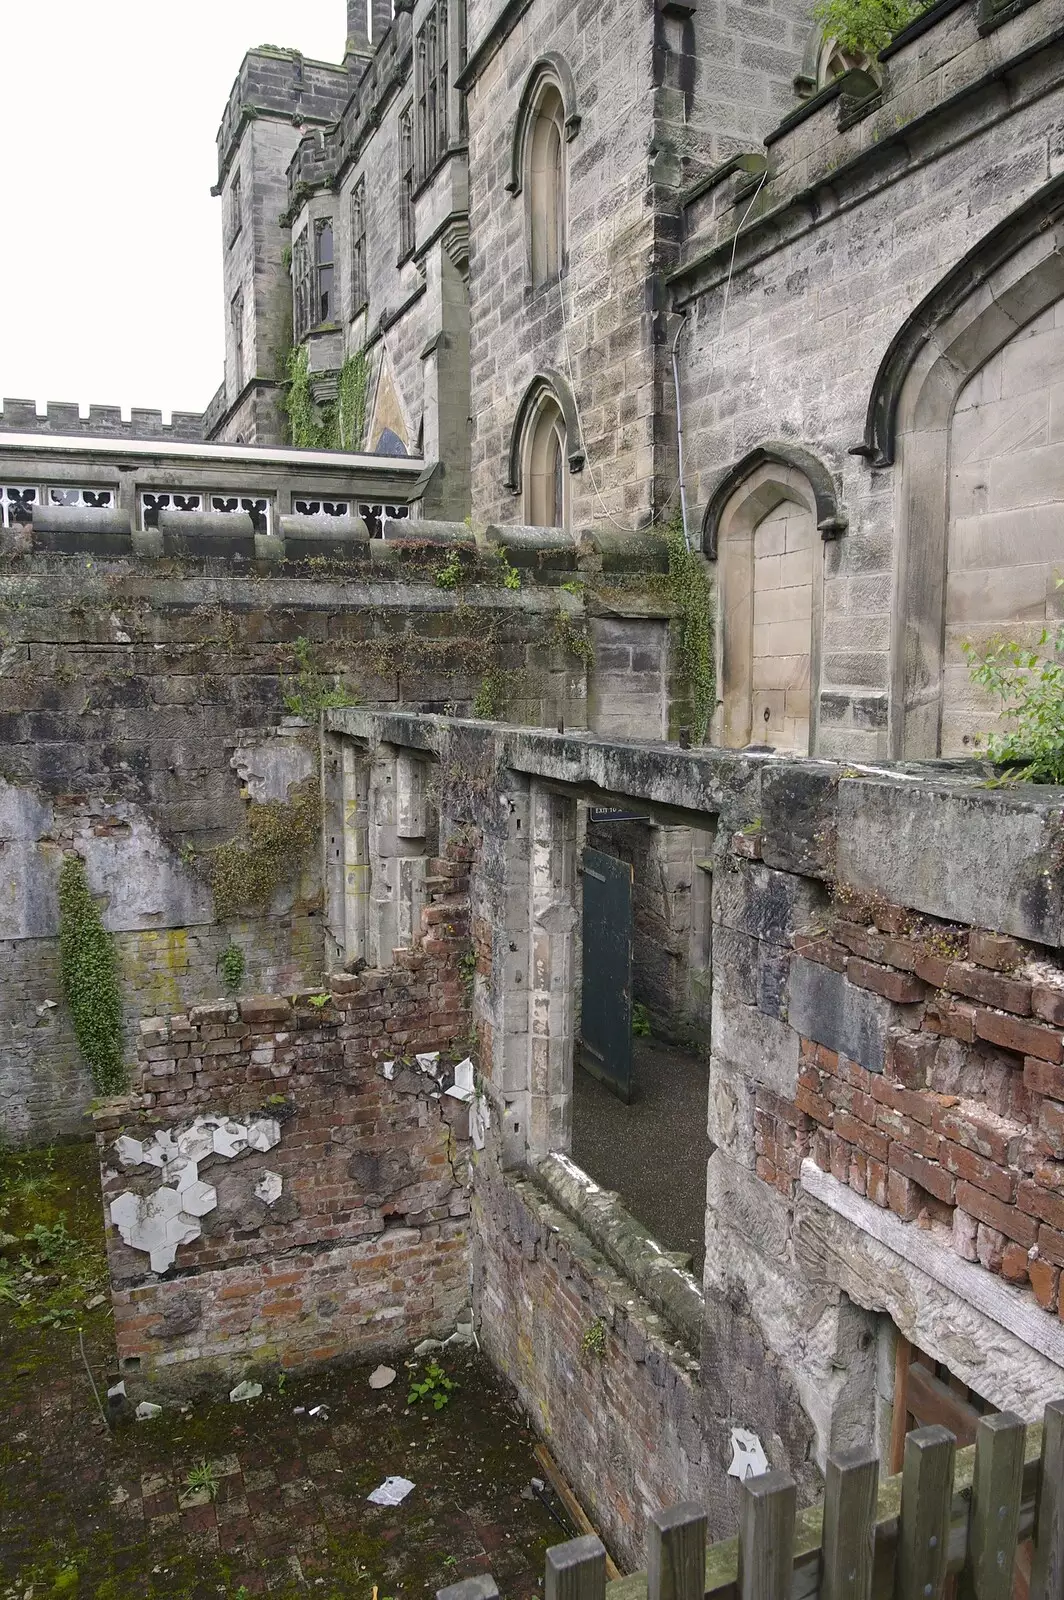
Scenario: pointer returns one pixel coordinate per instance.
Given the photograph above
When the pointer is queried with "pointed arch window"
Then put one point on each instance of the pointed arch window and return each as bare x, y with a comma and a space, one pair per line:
546, 470
546, 185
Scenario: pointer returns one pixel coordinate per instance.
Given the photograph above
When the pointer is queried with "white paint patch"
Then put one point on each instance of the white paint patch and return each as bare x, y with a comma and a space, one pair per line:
160, 1222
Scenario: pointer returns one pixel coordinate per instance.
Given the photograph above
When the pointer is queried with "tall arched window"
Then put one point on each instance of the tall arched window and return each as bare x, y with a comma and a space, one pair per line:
546, 470
546, 185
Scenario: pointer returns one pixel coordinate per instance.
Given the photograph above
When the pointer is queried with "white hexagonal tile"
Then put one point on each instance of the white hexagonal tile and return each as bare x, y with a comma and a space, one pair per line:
264, 1133
198, 1199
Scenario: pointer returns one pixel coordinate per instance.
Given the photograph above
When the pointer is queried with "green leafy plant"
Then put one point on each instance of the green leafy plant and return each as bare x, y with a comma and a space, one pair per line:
318, 1001
864, 27
574, 637
640, 1020
450, 574
310, 690
57, 1318
278, 837
689, 590
1029, 683
595, 1339
203, 1475
348, 420
304, 418
435, 1386
89, 969
51, 1244
490, 699
231, 965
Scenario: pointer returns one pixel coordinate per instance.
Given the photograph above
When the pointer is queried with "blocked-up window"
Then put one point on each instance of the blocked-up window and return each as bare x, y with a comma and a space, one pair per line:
359, 273
236, 319
301, 285
546, 186
235, 214
324, 271
406, 182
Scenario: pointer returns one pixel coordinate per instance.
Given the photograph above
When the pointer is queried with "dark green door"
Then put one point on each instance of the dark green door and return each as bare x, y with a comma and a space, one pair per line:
606, 1008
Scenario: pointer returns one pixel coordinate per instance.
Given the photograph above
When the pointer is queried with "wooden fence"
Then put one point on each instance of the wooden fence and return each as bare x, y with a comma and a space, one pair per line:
950, 1523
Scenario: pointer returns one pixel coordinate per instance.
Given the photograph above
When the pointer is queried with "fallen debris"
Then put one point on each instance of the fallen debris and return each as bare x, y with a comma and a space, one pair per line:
245, 1391
392, 1492
146, 1410
381, 1377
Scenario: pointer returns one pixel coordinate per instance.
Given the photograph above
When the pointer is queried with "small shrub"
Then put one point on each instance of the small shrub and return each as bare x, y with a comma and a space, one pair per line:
640, 1020
450, 574
310, 690
595, 1339
278, 837
231, 966
203, 1476
1029, 683
435, 1386
318, 1001
864, 27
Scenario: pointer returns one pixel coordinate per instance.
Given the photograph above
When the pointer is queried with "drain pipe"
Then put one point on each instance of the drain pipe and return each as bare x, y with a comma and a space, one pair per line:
681, 324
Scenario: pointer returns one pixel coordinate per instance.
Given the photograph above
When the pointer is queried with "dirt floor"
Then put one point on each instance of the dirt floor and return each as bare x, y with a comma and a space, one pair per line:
654, 1151
230, 1499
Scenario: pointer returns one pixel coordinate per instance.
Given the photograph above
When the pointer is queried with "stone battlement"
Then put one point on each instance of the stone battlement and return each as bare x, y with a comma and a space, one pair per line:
64, 417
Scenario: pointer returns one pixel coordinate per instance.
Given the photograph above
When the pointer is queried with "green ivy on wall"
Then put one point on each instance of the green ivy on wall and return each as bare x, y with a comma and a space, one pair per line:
690, 592
89, 969
338, 424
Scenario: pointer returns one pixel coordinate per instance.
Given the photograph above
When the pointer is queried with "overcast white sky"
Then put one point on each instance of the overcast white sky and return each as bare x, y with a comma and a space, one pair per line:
110, 269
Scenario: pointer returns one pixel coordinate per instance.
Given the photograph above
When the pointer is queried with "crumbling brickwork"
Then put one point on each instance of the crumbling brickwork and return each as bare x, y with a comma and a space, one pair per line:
365, 1249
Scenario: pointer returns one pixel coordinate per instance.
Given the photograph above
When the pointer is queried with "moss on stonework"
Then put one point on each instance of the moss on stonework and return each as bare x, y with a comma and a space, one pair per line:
278, 838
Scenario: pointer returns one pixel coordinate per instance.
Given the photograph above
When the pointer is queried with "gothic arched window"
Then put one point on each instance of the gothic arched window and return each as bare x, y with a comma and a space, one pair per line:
546, 469
546, 185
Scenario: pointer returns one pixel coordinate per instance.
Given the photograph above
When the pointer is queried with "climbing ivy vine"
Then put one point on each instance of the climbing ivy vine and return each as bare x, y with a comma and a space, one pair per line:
690, 592
278, 838
338, 424
89, 970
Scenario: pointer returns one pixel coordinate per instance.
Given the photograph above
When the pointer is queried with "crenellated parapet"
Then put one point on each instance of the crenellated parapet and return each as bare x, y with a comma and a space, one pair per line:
64, 418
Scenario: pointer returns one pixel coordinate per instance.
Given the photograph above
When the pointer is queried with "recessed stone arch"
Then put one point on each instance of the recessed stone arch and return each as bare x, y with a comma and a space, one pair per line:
830, 518
546, 383
550, 69
1007, 282
769, 604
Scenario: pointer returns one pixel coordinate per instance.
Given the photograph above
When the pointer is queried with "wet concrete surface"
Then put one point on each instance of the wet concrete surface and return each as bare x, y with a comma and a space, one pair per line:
654, 1151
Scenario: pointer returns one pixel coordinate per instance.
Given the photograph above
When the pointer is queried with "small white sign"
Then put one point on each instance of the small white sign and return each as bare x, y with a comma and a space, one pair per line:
392, 1492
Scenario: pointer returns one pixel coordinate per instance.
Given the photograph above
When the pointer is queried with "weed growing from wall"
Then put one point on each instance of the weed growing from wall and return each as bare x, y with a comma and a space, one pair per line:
689, 591
231, 965
864, 27
89, 969
278, 837
310, 690
1029, 682
573, 636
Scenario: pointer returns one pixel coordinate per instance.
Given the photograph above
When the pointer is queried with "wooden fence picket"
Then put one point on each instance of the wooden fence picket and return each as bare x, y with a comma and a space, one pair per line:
577, 1570
676, 1553
1047, 1568
993, 1525
851, 1484
926, 1501
766, 1536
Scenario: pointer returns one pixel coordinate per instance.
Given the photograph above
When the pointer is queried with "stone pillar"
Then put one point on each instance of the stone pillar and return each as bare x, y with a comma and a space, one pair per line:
446, 371
508, 908
359, 46
345, 799
553, 922
396, 854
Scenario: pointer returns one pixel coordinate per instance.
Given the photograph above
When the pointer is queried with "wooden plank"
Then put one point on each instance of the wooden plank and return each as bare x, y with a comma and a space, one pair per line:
924, 1523
577, 1570
766, 1536
899, 1421
1047, 1568
676, 1553
993, 1527
851, 1482
931, 1401
568, 1499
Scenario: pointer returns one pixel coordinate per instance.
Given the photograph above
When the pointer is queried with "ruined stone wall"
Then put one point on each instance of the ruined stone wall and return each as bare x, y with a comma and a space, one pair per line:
602, 1375
142, 716
364, 1248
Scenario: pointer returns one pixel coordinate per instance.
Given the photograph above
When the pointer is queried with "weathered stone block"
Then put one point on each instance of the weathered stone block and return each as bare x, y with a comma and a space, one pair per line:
822, 1005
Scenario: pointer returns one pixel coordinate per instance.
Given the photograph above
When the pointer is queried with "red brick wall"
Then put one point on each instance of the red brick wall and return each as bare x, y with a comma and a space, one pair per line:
964, 1129
367, 1248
